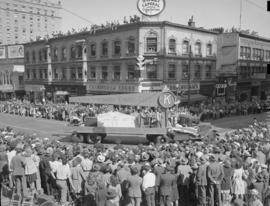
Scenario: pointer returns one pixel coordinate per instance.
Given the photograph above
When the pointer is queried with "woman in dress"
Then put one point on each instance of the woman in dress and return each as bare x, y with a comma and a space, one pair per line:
77, 175
238, 183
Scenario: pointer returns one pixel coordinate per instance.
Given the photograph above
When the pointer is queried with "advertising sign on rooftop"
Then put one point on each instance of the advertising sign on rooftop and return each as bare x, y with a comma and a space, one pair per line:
151, 7
15, 51
2, 52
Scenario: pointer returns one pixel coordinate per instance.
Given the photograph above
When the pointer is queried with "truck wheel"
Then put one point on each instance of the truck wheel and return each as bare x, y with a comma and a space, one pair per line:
89, 139
160, 139
80, 137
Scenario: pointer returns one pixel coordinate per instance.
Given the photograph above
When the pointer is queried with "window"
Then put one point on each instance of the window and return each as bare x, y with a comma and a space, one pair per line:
45, 73
208, 71
40, 74
79, 51
34, 74
55, 54
64, 53
151, 71
132, 73
258, 54
131, 46
172, 71
172, 46
33, 56
20, 80
55, 74
92, 74
267, 55
104, 48
80, 73
117, 47
93, 50
116, 73
104, 73
64, 77
27, 57
73, 73
151, 44
185, 73
198, 48
208, 49
72, 52
245, 52
27, 73
185, 47
197, 71
45, 54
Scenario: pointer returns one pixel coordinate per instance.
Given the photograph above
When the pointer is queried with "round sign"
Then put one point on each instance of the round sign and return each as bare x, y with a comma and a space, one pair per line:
166, 99
151, 7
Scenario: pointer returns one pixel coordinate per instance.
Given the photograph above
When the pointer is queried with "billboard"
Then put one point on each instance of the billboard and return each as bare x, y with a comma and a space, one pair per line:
151, 7
15, 51
2, 52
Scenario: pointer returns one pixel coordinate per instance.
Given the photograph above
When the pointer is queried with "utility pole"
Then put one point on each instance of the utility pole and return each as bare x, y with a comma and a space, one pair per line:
240, 22
189, 68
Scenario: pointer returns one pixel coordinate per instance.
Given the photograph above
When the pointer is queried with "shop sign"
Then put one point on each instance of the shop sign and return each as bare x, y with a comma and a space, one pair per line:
166, 99
2, 52
15, 51
34, 88
219, 86
258, 76
6, 88
184, 87
112, 87
151, 7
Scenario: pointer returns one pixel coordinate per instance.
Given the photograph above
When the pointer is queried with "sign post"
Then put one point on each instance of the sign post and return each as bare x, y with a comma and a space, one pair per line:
166, 100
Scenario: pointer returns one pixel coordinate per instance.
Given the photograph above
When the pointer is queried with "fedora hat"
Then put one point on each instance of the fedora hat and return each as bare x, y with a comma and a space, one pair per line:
145, 156
100, 158
96, 167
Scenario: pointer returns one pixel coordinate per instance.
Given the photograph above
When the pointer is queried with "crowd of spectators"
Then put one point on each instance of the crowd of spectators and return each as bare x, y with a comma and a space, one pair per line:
229, 169
65, 112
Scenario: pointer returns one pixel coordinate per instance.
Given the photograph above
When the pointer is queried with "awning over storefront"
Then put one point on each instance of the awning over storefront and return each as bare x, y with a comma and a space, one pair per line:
138, 99
193, 98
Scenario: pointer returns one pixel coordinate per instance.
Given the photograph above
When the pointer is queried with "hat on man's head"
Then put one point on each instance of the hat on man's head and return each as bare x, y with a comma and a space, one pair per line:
111, 193
101, 158
145, 156
212, 158
96, 167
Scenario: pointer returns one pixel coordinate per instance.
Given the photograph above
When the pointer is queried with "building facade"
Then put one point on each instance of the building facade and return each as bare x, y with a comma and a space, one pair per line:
104, 61
11, 71
242, 65
24, 20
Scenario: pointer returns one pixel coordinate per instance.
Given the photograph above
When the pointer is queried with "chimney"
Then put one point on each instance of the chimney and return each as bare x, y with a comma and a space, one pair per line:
191, 23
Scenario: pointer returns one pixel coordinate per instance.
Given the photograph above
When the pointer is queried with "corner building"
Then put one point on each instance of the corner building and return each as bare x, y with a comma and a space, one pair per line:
242, 64
104, 61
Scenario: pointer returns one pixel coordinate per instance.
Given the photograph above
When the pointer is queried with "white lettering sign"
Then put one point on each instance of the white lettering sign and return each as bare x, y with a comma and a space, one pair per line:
151, 7
184, 87
112, 88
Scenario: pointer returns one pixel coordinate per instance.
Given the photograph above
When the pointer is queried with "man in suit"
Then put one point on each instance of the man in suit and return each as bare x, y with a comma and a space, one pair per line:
165, 183
215, 175
134, 187
201, 182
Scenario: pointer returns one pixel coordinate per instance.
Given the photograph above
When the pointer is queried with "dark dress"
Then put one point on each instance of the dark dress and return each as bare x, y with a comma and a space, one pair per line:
175, 193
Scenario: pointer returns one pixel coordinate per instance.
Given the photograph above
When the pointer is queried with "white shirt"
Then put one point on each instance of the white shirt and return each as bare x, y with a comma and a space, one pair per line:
10, 155
62, 172
54, 165
86, 164
149, 180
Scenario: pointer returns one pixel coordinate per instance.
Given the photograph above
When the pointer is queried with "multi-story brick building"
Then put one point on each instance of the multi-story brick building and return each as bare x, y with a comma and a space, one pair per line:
11, 71
23, 20
104, 61
243, 58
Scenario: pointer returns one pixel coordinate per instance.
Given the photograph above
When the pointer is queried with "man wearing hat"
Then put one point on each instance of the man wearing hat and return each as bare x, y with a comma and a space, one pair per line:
183, 172
17, 165
165, 183
148, 185
215, 175
201, 181
86, 163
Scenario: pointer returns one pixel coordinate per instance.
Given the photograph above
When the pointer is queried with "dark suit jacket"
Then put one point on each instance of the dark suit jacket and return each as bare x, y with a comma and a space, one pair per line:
134, 186
166, 182
201, 176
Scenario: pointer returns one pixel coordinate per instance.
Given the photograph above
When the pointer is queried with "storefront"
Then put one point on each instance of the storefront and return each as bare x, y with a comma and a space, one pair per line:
111, 88
35, 93
243, 91
61, 93
207, 88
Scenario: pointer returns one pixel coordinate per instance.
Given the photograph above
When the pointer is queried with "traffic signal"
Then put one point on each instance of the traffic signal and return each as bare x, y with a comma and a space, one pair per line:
140, 62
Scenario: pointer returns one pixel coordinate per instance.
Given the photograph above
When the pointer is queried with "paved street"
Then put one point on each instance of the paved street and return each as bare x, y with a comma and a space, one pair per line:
47, 128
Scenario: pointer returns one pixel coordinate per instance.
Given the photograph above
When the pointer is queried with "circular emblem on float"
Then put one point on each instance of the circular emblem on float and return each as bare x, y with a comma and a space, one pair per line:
151, 7
166, 99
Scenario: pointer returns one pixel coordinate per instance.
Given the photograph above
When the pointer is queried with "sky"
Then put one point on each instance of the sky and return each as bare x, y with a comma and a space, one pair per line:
206, 13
